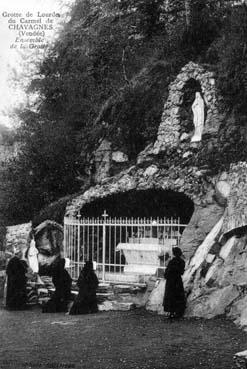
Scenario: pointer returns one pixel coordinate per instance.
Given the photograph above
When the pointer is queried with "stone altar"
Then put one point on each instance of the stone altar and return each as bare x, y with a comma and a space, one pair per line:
142, 256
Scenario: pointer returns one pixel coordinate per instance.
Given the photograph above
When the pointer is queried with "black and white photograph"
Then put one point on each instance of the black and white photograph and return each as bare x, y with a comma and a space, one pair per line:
123, 184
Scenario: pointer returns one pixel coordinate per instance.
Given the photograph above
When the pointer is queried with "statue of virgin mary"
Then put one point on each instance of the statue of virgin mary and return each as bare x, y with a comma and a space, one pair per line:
198, 117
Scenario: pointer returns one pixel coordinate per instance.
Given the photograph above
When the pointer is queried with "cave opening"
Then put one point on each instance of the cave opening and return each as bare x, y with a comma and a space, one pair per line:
143, 204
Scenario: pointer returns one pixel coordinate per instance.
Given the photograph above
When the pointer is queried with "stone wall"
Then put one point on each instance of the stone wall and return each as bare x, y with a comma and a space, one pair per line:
188, 181
169, 130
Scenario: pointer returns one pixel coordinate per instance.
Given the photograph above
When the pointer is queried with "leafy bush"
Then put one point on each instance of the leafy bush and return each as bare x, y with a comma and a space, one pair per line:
231, 51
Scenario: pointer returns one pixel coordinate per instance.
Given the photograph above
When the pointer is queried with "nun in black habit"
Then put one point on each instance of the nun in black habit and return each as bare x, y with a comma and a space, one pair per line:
62, 282
86, 301
16, 295
174, 300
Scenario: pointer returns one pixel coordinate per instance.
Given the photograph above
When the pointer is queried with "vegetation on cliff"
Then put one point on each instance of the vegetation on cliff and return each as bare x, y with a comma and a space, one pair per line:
107, 76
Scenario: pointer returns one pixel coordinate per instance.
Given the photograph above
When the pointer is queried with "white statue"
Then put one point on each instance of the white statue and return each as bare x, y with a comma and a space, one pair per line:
198, 119
32, 256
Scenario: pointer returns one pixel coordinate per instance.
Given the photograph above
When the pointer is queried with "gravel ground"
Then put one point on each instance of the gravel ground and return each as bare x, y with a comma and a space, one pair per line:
115, 340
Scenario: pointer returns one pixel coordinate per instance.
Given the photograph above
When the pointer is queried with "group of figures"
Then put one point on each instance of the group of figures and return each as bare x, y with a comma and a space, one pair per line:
85, 302
26, 261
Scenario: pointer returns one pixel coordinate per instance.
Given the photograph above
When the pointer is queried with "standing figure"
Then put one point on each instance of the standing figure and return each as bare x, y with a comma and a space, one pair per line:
16, 296
198, 119
32, 256
62, 282
86, 301
174, 299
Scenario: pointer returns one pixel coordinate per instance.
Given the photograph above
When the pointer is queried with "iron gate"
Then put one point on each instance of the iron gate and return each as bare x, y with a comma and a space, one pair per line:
96, 239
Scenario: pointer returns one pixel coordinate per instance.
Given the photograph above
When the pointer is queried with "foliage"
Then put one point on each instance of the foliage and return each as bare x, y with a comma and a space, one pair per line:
204, 27
129, 125
54, 211
231, 52
44, 169
107, 76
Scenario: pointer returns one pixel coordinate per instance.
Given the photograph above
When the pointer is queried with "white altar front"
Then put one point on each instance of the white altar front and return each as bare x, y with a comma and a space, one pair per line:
142, 255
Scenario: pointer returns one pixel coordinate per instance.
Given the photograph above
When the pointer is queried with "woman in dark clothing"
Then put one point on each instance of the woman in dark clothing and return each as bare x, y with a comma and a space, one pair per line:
174, 299
62, 282
16, 296
86, 301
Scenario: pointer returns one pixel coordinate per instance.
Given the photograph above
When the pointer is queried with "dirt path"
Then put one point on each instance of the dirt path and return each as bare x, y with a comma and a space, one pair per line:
115, 340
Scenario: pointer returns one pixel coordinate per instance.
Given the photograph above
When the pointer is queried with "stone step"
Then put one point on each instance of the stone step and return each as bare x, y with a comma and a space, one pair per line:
116, 305
121, 297
131, 278
122, 288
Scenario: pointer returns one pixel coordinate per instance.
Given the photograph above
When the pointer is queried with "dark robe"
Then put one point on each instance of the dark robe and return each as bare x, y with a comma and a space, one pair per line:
174, 299
62, 282
16, 297
86, 301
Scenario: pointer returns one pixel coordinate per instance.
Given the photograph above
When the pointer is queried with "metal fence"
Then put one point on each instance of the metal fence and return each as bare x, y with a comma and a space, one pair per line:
98, 240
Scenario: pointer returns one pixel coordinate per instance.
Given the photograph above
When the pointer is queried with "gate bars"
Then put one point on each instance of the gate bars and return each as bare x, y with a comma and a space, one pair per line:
96, 239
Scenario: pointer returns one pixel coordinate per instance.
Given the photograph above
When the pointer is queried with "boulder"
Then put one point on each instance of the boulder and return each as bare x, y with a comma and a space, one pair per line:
150, 171
238, 312
119, 157
156, 297
222, 191
212, 304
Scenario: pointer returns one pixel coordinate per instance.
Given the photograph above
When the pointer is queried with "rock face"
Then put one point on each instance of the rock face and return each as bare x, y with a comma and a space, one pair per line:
214, 241
216, 279
220, 287
169, 130
173, 173
236, 213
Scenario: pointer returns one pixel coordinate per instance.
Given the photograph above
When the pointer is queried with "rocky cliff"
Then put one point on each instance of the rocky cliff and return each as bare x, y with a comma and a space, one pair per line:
213, 178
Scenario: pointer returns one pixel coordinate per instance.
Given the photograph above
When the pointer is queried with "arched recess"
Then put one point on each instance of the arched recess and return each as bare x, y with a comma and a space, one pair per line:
142, 203
185, 111
169, 129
